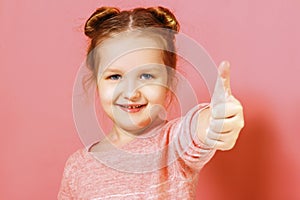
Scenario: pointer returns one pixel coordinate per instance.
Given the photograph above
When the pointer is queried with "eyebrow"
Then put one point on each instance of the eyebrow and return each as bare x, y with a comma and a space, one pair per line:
112, 70
117, 70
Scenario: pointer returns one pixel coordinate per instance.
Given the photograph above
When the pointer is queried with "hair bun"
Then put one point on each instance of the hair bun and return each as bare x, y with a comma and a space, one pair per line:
166, 17
99, 16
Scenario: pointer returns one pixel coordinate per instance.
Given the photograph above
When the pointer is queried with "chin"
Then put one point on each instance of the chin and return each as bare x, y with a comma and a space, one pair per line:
135, 126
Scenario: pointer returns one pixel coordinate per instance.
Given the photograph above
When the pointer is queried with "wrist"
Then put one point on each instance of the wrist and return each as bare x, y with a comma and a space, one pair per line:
203, 123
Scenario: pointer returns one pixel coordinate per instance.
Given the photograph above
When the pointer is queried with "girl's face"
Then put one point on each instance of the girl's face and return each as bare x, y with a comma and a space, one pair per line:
133, 87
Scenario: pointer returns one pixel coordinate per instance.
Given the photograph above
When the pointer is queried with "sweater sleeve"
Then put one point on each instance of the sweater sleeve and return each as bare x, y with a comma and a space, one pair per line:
192, 153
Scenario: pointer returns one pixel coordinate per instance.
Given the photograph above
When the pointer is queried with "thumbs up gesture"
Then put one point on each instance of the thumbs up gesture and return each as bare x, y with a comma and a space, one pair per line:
221, 124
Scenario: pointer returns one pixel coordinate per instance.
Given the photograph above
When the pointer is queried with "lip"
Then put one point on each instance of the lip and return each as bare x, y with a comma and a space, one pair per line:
131, 108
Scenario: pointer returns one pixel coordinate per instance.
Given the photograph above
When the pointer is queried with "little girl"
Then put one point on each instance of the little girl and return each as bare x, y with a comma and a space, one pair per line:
145, 156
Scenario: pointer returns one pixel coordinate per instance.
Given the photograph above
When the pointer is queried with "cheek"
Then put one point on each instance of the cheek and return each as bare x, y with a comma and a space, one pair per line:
106, 94
156, 94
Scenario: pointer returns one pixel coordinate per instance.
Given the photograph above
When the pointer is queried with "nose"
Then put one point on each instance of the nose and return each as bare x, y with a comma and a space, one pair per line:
131, 90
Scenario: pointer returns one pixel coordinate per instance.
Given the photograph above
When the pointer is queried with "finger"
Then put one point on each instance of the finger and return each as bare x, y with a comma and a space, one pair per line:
223, 125
222, 88
226, 110
222, 137
222, 141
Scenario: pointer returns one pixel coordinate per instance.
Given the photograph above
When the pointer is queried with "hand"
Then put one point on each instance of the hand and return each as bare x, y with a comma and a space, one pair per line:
225, 115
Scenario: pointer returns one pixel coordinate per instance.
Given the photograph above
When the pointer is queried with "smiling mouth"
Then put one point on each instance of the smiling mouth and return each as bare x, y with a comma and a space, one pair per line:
132, 108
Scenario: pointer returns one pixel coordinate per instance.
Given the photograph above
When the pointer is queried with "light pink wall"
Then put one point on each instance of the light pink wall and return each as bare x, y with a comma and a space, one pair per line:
42, 46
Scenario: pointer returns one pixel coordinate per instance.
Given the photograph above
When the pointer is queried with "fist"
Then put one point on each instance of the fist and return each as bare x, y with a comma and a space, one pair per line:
225, 114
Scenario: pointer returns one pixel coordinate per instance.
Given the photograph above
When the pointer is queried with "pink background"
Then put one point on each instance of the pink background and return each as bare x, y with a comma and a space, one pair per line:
42, 46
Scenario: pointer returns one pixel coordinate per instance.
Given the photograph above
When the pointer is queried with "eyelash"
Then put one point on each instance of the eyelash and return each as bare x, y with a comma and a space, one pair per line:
115, 77
149, 76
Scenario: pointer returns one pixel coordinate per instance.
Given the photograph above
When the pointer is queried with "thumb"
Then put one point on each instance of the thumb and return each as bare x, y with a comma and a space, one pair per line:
222, 88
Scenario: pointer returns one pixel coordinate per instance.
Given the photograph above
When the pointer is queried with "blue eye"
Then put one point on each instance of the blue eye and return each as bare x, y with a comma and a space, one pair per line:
114, 77
147, 76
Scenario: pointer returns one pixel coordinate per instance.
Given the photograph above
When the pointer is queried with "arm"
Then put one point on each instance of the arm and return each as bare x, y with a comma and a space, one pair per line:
206, 129
193, 154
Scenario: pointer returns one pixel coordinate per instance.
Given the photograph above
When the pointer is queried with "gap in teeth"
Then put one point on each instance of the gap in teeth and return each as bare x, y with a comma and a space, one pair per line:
133, 107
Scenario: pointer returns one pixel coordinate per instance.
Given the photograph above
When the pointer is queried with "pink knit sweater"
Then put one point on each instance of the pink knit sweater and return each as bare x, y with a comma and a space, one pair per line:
164, 165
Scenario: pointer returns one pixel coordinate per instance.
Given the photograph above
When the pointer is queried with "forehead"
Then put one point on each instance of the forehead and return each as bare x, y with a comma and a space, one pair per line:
129, 50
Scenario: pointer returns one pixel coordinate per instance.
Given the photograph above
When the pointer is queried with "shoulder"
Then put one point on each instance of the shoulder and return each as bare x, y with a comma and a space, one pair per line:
77, 159
77, 155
